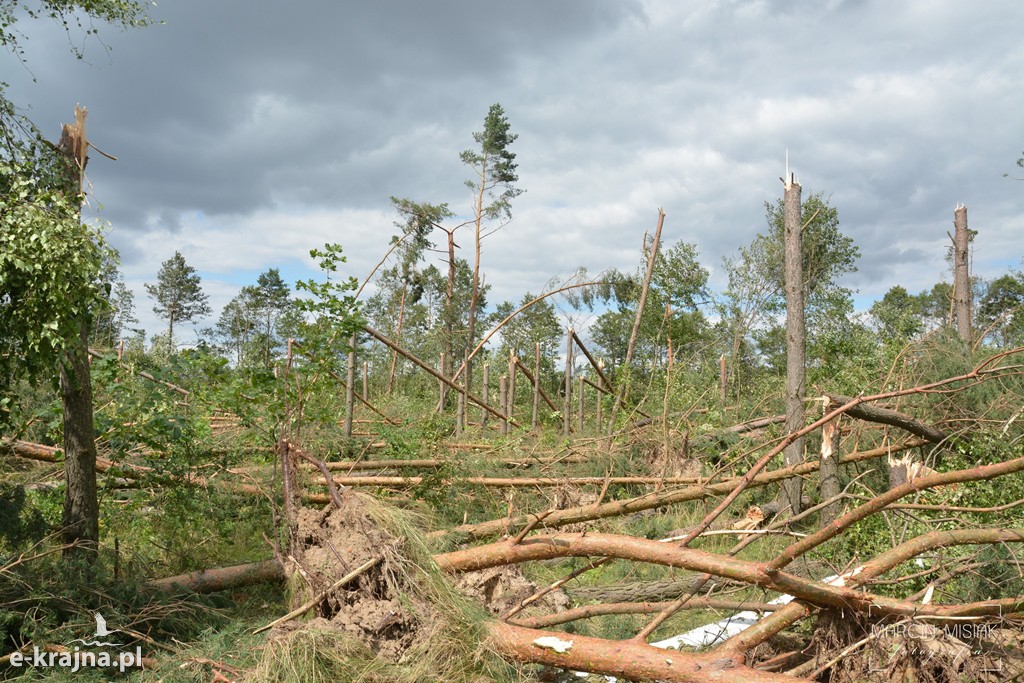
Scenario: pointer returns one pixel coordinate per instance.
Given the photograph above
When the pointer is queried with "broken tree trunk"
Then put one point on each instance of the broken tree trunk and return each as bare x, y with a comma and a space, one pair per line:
961, 274
829, 485
350, 387
795, 337
652, 257
80, 530
872, 413
567, 384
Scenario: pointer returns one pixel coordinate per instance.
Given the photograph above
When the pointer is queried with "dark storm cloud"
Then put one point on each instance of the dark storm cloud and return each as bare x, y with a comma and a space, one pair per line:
231, 106
249, 132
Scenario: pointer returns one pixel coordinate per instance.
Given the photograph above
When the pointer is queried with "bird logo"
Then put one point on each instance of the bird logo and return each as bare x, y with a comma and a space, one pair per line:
101, 632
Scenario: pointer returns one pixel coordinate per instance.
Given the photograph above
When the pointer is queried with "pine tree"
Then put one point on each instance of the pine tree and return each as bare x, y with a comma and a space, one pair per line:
178, 294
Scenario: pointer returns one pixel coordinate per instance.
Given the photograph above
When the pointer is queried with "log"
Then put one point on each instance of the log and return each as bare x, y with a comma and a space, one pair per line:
659, 499
606, 609
624, 659
668, 589
213, 580
873, 413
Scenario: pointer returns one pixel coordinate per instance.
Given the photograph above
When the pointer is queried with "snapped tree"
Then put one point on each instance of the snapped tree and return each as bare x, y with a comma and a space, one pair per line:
51, 265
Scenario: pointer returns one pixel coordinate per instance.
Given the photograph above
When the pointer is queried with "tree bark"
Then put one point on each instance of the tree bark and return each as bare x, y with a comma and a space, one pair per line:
398, 338
829, 484
567, 399
795, 338
961, 274
624, 658
81, 525
350, 387
871, 413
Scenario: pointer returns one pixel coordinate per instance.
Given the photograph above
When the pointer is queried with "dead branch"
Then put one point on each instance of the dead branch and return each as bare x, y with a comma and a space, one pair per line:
435, 374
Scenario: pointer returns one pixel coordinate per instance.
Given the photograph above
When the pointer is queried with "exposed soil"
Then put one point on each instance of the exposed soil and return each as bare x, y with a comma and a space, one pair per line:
379, 607
500, 589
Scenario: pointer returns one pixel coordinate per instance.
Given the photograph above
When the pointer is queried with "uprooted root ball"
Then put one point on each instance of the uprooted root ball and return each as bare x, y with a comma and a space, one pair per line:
400, 621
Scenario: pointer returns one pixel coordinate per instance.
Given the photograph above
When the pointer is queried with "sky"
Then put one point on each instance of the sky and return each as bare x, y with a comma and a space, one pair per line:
249, 132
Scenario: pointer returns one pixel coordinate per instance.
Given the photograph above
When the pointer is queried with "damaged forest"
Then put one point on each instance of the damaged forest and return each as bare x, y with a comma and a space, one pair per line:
387, 477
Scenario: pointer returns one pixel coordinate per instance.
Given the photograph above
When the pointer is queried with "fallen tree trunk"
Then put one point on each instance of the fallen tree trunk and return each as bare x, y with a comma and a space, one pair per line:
656, 499
641, 591
607, 608
873, 413
622, 658
836, 595
223, 578
668, 589
513, 481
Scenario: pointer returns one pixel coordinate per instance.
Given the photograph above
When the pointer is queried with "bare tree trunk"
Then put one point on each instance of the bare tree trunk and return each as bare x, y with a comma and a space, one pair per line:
829, 484
511, 384
795, 337
582, 406
961, 274
398, 338
631, 346
350, 387
449, 322
503, 403
484, 394
81, 525
442, 390
460, 404
567, 402
471, 327
536, 385
366, 381
723, 380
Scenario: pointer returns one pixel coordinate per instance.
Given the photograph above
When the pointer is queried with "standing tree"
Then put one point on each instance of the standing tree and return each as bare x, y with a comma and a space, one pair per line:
51, 265
273, 300
51, 270
1001, 309
495, 189
178, 295
796, 339
110, 324
755, 297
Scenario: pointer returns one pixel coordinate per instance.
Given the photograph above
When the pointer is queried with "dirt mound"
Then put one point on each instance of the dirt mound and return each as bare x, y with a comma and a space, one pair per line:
383, 611
500, 589
384, 607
